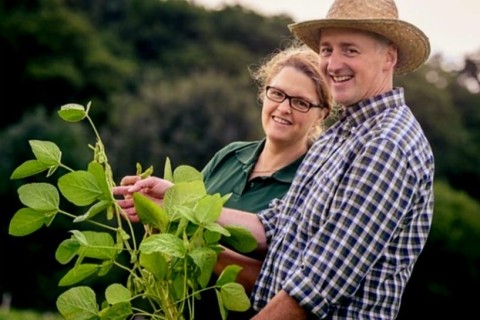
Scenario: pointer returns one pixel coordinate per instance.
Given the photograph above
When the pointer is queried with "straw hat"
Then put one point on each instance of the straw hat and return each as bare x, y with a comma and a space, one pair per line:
378, 16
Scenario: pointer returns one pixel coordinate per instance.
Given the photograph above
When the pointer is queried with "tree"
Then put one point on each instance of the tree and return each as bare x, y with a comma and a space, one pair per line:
53, 55
446, 277
187, 120
41, 281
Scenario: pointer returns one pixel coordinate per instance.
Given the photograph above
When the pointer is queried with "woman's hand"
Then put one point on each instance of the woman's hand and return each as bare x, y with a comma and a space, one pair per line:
152, 187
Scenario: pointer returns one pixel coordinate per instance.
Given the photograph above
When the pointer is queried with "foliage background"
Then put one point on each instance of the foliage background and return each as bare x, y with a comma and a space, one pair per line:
170, 78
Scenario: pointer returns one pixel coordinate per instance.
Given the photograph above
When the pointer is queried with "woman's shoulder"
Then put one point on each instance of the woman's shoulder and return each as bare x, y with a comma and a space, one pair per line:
240, 145
234, 151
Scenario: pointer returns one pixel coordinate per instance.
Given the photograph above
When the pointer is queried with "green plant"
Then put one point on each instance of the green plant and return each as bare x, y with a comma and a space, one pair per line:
170, 264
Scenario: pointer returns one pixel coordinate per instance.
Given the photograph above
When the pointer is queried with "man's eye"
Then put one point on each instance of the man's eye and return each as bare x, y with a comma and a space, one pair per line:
324, 51
351, 52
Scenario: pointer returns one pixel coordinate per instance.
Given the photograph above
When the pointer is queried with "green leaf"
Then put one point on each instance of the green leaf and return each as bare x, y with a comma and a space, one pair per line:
184, 194
80, 237
28, 168
211, 237
226, 197
228, 275
155, 263
98, 172
80, 187
51, 170
186, 174
178, 287
26, 221
165, 243
94, 210
118, 311
240, 239
223, 311
78, 304
167, 170
67, 250
105, 267
205, 258
78, 274
215, 227
187, 214
117, 293
208, 209
46, 152
99, 245
39, 196
150, 212
234, 297
72, 112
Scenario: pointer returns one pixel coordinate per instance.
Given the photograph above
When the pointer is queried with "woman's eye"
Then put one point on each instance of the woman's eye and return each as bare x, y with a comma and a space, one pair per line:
301, 104
277, 94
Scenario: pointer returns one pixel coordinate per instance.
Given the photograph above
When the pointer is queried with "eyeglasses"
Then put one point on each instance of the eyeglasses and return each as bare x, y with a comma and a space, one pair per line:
299, 104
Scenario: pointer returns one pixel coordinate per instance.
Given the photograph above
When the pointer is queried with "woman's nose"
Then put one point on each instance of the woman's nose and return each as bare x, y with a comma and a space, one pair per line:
284, 106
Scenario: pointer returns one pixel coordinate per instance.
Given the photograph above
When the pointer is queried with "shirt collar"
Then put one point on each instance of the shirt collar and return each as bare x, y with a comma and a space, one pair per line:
365, 109
248, 158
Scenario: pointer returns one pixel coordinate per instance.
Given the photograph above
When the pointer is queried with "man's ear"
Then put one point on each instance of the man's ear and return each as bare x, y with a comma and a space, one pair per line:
391, 57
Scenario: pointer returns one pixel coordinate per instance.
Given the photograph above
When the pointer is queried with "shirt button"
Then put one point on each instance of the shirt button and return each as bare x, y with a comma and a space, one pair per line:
252, 184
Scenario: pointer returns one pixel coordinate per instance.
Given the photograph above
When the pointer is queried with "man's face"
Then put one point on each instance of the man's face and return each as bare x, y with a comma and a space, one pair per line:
357, 65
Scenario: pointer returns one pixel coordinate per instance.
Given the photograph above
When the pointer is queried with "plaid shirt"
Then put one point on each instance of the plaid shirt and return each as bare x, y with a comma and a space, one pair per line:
344, 239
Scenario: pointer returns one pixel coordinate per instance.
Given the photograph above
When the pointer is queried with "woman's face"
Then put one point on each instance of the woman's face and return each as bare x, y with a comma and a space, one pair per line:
281, 123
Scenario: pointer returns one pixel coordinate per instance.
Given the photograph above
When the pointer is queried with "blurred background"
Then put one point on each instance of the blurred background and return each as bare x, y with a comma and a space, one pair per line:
170, 79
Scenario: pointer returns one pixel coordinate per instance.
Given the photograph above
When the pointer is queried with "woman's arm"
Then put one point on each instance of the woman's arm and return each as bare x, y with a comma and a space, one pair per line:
250, 267
248, 221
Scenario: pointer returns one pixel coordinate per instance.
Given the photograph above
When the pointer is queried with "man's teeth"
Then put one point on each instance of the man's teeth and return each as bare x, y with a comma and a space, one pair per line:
342, 78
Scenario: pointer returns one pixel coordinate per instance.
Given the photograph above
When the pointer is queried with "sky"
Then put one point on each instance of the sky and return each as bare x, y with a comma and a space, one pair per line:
452, 26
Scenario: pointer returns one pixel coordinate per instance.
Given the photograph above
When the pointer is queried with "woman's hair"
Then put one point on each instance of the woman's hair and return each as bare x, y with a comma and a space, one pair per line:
304, 60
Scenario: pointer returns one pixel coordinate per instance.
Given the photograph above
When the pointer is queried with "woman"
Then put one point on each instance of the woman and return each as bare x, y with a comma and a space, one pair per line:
295, 101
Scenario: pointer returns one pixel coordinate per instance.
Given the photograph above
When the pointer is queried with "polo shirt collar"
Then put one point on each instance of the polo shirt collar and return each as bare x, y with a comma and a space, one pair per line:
248, 159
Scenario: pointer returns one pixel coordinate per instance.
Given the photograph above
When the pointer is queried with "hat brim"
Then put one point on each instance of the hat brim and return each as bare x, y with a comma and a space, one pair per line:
413, 45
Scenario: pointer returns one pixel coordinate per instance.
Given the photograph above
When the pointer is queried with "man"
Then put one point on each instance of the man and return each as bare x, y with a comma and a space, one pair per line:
343, 241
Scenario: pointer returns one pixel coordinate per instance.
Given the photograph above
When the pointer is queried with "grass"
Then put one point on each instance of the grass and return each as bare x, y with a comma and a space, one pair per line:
10, 314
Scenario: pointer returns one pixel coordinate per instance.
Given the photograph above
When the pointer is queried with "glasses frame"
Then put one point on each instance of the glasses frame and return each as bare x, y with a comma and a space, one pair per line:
286, 96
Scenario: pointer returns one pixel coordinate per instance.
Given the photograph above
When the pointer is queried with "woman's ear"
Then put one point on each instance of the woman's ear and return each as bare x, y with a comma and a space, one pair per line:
324, 112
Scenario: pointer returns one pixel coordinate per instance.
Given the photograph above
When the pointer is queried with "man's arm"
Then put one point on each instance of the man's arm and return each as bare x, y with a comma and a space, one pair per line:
281, 307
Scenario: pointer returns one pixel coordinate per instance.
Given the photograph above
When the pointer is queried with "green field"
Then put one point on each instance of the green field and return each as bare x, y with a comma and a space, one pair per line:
27, 315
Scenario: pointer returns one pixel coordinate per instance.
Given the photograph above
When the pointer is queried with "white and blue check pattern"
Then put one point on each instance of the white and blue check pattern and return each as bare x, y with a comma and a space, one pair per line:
344, 239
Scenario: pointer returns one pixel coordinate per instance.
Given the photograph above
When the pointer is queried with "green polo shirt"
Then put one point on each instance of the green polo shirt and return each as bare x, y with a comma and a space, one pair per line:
228, 172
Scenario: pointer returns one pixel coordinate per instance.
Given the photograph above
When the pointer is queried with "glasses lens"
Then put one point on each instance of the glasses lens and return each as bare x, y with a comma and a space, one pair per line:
279, 96
275, 94
299, 104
